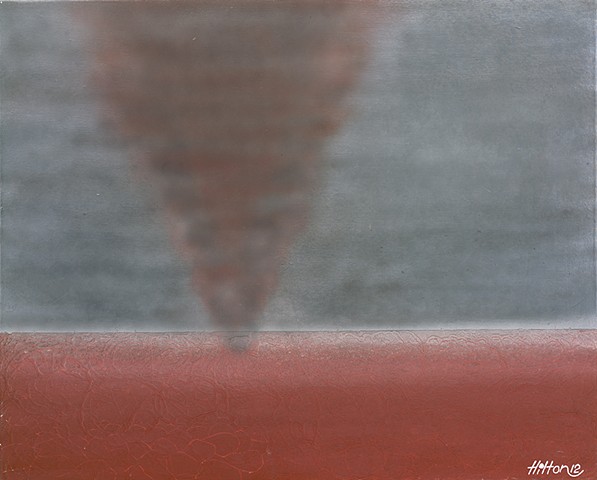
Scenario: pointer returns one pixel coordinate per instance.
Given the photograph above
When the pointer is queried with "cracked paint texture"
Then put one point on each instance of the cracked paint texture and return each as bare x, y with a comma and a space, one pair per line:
297, 406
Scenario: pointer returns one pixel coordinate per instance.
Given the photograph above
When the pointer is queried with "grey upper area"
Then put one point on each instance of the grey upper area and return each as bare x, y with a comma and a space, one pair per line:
460, 192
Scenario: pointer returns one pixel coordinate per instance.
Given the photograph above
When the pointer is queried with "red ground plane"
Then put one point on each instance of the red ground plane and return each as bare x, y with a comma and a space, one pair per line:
298, 406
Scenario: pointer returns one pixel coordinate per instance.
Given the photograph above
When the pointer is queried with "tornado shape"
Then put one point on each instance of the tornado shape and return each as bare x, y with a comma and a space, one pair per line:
229, 106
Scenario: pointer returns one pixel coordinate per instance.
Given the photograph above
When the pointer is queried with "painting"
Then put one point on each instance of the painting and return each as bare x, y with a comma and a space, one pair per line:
298, 239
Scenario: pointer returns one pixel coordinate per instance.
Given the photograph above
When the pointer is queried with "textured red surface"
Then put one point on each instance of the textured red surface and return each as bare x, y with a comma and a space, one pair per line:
300, 406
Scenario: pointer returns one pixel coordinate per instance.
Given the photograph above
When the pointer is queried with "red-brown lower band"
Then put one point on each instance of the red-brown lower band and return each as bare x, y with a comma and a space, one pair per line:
300, 406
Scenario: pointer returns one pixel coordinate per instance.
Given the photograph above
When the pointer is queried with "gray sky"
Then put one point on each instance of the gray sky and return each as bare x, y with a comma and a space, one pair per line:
458, 193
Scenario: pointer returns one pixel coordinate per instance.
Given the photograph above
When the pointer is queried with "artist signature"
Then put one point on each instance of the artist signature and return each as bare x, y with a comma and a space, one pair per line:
540, 467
